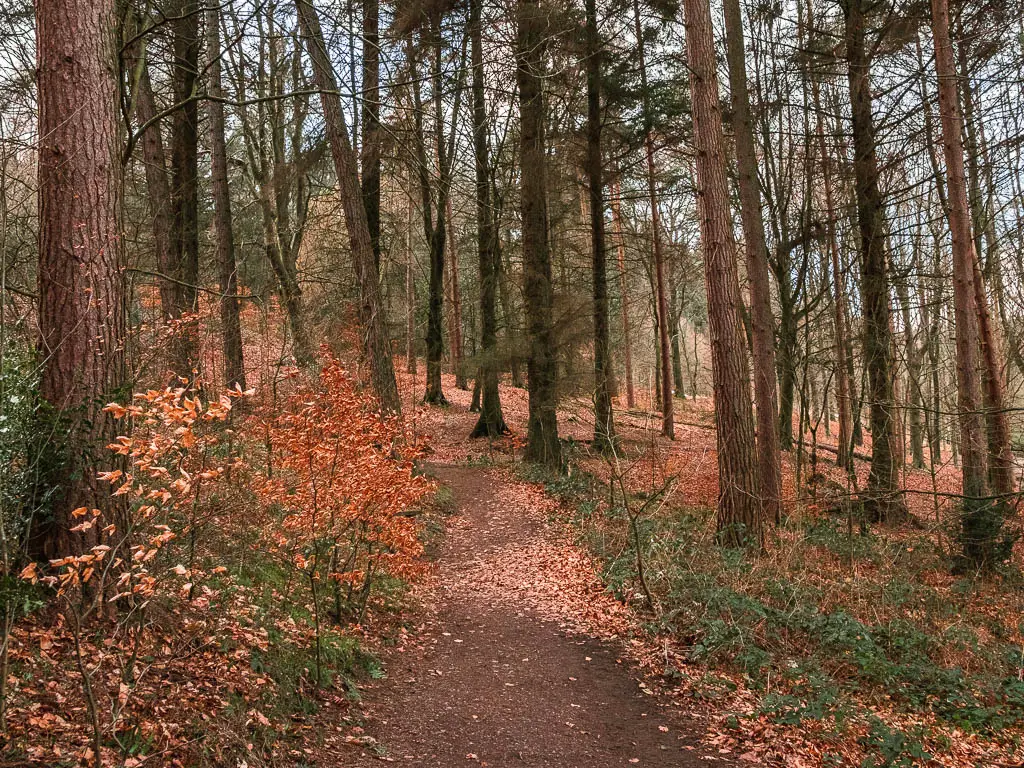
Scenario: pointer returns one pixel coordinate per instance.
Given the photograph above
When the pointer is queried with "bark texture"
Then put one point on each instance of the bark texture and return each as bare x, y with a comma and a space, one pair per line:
739, 508
231, 328
81, 282
370, 156
491, 422
542, 444
185, 179
761, 322
604, 424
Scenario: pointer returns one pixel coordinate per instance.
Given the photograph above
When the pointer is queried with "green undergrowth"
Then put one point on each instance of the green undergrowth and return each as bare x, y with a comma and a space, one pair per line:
823, 624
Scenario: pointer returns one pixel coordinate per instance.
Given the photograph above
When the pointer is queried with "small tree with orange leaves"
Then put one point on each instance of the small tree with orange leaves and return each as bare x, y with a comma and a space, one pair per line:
144, 550
343, 483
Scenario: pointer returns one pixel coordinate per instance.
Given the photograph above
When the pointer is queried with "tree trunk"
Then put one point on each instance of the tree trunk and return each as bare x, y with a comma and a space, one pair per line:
882, 498
434, 234
604, 424
434, 226
231, 328
376, 345
620, 248
674, 318
370, 155
762, 324
665, 381
912, 355
158, 191
739, 509
966, 307
542, 444
81, 280
844, 401
410, 295
185, 178
491, 422
455, 331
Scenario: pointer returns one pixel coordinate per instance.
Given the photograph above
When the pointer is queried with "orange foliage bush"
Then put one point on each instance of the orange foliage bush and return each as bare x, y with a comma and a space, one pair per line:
342, 479
150, 607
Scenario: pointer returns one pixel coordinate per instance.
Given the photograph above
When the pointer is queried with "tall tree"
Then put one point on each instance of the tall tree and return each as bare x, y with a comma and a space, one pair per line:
604, 424
455, 293
620, 251
185, 175
158, 191
376, 344
491, 422
370, 155
81, 278
844, 399
978, 537
231, 328
762, 325
434, 198
739, 508
661, 290
882, 499
542, 444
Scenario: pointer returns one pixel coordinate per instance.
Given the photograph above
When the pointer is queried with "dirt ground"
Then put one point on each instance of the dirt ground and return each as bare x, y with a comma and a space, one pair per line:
496, 676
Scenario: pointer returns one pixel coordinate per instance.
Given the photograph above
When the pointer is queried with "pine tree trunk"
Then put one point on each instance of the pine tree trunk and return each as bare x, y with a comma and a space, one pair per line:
542, 444
370, 155
81, 280
739, 509
410, 295
491, 422
158, 191
665, 380
185, 179
761, 321
882, 498
231, 328
967, 308
455, 331
604, 424
376, 345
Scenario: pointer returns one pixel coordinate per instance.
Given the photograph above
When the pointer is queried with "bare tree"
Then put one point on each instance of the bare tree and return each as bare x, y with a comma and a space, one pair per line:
376, 345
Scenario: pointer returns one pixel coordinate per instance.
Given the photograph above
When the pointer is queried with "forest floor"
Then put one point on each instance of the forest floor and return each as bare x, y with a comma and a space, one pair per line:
520, 656
514, 663
563, 662
527, 638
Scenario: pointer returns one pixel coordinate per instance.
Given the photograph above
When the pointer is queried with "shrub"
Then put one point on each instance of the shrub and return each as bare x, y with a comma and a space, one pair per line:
343, 480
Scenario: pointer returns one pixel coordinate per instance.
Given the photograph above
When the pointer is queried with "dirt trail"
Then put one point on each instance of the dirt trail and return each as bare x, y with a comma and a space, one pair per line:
496, 682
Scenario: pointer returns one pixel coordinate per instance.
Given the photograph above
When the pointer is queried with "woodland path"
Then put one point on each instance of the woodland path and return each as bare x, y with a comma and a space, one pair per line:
492, 681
